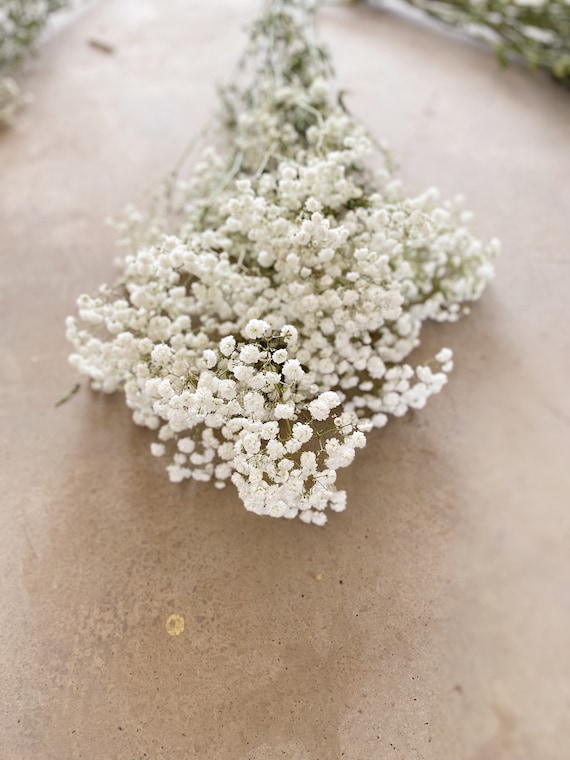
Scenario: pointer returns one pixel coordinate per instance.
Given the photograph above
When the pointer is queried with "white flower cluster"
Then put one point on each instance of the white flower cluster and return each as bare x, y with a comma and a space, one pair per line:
263, 320
21, 22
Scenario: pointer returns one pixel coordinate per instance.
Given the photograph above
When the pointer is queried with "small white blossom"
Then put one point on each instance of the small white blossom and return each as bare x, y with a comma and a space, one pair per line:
186, 445
256, 328
161, 354
292, 371
302, 433
284, 411
227, 345
280, 356
157, 449
265, 259
290, 334
249, 354
444, 355
320, 408
210, 358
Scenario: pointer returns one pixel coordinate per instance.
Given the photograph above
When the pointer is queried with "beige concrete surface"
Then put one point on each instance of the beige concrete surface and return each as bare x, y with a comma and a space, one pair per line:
431, 621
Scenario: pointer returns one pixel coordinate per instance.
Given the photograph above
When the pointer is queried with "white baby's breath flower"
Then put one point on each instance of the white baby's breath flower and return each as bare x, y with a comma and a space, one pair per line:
161, 354
284, 411
292, 371
210, 358
444, 355
256, 328
280, 356
290, 334
321, 407
227, 345
186, 445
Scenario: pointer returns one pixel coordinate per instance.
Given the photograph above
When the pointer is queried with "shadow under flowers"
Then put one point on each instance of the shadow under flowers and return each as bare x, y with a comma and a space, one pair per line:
288, 629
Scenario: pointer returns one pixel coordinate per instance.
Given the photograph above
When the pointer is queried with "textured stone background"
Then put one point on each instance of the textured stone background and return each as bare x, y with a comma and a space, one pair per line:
431, 620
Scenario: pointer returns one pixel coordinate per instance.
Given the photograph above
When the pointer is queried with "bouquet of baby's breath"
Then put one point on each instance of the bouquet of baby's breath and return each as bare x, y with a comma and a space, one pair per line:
268, 303
21, 23
537, 31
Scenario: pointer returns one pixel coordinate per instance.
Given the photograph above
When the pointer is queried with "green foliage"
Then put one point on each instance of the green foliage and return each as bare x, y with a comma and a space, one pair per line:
538, 32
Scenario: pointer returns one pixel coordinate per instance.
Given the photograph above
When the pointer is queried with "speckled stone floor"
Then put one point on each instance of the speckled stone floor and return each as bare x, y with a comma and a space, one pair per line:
431, 620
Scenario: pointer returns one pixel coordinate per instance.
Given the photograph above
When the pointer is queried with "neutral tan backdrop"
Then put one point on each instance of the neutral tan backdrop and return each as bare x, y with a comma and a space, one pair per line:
432, 619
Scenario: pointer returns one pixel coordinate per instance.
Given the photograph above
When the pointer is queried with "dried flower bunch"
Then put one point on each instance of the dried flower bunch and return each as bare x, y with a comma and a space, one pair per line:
21, 23
538, 31
263, 318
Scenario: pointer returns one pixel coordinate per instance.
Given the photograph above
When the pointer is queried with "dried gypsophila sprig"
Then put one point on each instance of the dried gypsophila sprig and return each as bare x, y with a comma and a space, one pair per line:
21, 23
536, 31
267, 307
